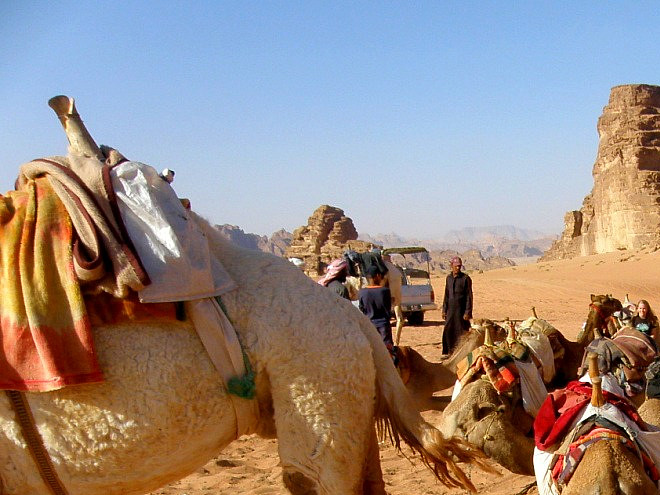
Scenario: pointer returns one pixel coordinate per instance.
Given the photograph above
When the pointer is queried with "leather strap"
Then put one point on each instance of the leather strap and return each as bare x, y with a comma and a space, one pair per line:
35, 442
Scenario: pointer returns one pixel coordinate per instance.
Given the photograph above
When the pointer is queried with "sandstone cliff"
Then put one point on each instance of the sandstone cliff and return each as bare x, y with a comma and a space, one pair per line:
623, 209
326, 236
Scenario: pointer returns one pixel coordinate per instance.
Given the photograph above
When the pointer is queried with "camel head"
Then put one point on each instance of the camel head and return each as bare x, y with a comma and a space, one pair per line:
496, 424
601, 309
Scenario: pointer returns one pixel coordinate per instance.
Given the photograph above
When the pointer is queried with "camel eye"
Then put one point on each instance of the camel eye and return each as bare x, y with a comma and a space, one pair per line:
484, 410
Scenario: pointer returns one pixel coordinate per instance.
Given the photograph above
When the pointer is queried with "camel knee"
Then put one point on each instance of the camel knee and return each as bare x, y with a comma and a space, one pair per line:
299, 484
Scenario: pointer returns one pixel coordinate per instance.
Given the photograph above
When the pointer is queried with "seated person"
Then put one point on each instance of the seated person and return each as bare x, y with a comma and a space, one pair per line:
646, 322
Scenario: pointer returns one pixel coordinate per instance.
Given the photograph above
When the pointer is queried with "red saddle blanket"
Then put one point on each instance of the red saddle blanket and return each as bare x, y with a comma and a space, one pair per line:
46, 335
562, 407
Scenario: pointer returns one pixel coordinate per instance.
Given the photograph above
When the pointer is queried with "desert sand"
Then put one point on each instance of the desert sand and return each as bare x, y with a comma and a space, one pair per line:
560, 292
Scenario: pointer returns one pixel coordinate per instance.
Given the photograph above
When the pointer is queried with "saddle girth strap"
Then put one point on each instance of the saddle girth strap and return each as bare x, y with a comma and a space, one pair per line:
35, 442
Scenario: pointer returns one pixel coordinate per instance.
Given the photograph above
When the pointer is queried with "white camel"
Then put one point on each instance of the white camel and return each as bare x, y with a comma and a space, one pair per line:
323, 377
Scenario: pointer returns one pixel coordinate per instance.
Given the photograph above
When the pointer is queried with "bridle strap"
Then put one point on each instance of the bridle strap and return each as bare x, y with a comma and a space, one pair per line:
599, 311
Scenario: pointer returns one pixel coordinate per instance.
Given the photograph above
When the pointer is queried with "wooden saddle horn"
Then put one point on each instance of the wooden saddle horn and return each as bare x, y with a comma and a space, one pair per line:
80, 140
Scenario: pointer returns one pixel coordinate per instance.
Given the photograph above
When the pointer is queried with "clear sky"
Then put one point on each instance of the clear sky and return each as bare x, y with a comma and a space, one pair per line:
413, 117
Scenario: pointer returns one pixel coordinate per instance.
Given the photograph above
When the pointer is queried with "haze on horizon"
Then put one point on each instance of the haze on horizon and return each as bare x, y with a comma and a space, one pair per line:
416, 118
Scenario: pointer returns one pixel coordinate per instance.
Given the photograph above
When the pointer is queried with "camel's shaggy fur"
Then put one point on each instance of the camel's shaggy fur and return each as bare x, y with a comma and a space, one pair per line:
497, 424
610, 467
649, 410
163, 411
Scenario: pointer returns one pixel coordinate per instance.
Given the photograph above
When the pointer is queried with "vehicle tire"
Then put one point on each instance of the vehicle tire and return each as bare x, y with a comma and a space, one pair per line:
416, 317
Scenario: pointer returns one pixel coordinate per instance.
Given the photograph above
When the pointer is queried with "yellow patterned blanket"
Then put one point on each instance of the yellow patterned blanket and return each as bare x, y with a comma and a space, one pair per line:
45, 331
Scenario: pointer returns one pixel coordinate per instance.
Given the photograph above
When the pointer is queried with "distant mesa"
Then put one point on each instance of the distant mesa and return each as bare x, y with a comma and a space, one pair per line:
329, 233
623, 209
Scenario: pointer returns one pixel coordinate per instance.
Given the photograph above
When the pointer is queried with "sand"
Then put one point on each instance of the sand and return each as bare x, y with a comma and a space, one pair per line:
560, 293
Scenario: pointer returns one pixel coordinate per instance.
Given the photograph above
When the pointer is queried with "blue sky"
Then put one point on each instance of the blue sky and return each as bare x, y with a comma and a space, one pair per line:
413, 117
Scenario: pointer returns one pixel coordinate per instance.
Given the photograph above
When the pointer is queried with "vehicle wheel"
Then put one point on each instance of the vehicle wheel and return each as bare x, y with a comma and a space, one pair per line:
416, 317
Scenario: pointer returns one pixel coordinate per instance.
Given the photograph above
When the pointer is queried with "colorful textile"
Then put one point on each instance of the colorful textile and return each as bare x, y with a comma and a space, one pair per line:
103, 255
565, 466
639, 348
334, 270
496, 362
46, 334
610, 356
562, 407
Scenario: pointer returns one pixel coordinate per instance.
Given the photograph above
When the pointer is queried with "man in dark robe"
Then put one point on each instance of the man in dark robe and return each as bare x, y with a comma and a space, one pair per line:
456, 305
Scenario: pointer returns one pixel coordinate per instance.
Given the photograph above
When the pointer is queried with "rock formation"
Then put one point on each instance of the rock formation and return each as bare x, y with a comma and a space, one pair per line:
276, 244
623, 209
326, 236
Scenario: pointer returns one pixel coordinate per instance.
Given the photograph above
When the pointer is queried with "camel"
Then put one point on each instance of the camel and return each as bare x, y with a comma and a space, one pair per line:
599, 320
422, 378
498, 425
650, 411
322, 377
607, 465
610, 467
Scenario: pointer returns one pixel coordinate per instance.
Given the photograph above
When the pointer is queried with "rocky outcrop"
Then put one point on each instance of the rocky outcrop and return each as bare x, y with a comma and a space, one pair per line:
276, 244
623, 209
326, 236
473, 260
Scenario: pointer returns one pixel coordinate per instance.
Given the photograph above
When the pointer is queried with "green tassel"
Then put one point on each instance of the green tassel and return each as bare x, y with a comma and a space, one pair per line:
244, 386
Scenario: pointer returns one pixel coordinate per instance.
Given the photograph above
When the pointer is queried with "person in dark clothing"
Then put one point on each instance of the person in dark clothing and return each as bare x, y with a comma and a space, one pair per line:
375, 301
359, 263
339, 287
335, 276
456, 305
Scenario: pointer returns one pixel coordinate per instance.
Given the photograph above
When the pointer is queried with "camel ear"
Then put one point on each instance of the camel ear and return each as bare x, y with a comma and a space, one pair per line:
593, 298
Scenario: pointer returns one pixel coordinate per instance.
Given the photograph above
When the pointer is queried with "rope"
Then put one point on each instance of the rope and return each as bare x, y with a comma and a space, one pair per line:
35, 442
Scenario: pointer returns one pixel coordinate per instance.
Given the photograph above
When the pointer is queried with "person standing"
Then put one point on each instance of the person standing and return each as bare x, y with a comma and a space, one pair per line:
375, 301
335, 277
456, 305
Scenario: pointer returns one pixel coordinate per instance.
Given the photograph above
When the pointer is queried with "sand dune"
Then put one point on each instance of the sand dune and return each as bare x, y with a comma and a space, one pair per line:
560, 292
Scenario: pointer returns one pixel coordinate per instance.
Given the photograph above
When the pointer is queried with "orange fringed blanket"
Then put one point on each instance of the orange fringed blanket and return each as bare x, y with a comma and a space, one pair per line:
46, 335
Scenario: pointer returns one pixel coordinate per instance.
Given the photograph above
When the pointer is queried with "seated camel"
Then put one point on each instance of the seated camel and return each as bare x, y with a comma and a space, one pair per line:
498, 423
650, 411
650, 408
591, 439
423, 378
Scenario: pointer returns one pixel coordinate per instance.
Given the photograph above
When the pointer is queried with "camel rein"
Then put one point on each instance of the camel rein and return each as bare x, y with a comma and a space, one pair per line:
603, 317
35, 442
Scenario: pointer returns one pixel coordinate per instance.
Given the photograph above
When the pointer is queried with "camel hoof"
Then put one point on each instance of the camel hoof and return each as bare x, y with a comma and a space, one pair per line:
299, 484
